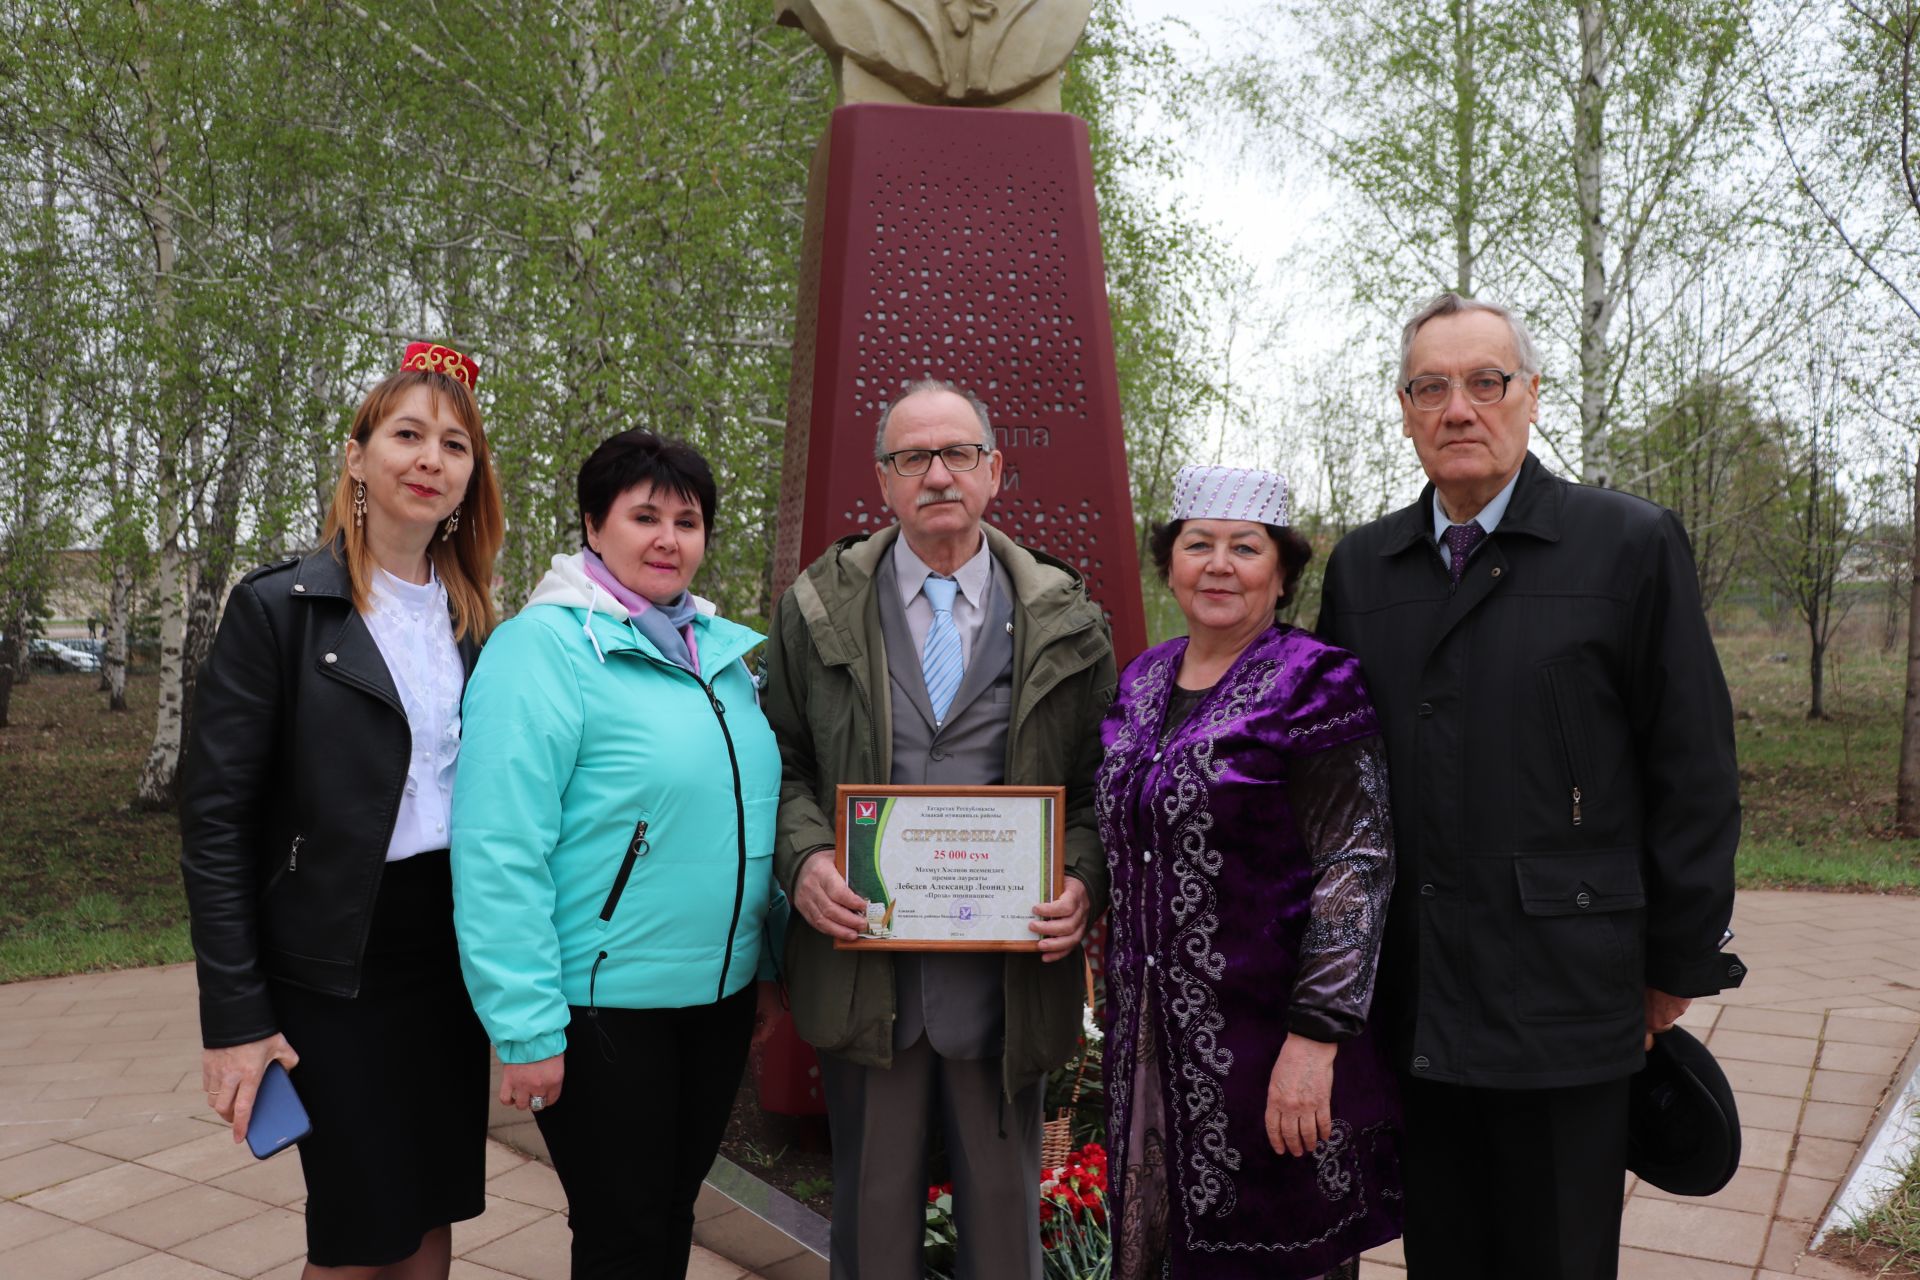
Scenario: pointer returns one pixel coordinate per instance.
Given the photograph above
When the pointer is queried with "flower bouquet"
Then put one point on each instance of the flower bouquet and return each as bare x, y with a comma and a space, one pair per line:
1075, 1240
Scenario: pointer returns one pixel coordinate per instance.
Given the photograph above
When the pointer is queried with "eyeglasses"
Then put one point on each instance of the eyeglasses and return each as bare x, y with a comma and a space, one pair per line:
917, 462
1429, 391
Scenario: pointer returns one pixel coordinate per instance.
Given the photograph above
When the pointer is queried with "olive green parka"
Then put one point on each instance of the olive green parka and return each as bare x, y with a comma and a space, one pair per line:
827, 699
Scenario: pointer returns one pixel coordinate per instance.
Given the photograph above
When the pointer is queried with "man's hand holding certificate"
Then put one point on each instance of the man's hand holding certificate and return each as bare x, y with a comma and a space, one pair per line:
950, 868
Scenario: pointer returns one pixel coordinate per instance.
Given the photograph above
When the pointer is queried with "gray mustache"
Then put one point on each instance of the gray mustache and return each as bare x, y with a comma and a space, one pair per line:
949, 494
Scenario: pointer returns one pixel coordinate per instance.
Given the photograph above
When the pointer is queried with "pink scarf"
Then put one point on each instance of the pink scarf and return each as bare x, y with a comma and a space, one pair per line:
637, 604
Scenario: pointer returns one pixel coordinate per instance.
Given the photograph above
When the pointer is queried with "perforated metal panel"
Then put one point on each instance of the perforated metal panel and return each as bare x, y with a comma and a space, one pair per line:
962, 244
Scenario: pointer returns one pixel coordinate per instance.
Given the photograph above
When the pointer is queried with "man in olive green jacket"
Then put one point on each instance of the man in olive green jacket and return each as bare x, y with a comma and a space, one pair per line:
856, 694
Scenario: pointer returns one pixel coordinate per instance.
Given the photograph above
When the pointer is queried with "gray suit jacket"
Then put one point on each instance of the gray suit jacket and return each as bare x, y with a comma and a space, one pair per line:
954, 997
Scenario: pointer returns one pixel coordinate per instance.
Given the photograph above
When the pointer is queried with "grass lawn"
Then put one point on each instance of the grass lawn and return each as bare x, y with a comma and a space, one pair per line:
90, 884
1817, 796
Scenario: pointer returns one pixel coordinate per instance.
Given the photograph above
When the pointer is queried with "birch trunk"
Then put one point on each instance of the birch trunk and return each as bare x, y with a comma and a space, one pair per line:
14, 624
157, 777
1466, 101
24, 552
1596, 308
217, 534
1907, 790
119, 601
125, 535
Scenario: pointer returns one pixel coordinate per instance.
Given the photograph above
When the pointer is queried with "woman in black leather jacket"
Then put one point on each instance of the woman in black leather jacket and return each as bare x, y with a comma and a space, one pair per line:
313, 813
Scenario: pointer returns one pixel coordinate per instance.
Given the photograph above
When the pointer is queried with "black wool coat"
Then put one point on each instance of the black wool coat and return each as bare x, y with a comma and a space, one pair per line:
289, 791
1565, 797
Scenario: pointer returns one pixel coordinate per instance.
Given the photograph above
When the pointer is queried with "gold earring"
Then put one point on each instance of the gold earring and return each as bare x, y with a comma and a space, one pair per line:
359, 503
453, 522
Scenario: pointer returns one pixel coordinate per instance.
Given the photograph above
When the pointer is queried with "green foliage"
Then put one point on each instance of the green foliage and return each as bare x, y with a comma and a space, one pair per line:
808, 1188
601, 201
1874, 110
1488, 149
1163, 266
1704, 455
1412, 105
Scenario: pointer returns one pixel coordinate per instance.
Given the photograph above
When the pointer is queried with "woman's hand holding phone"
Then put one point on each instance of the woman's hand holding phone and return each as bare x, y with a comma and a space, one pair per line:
231, 1077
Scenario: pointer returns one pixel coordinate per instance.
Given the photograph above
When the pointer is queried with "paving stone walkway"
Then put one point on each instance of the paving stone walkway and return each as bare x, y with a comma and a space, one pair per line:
111, 1167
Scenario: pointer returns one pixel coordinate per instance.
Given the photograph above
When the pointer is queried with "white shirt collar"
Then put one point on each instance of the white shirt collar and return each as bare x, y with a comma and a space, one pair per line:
1489, 517
911, 572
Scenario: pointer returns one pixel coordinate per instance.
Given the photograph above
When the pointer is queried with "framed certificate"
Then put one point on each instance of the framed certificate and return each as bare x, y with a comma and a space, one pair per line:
950, 868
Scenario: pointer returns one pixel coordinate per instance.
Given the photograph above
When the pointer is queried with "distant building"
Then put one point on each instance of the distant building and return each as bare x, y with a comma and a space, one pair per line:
81, 590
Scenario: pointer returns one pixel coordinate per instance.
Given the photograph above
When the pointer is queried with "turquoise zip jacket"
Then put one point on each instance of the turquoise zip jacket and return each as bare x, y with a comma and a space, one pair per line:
613, 819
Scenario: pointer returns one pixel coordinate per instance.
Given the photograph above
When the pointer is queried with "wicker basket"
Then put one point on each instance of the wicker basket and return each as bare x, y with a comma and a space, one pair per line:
1056, 1135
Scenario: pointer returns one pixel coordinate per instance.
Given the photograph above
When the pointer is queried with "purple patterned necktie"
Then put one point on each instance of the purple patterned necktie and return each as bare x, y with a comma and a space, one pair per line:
1461, 540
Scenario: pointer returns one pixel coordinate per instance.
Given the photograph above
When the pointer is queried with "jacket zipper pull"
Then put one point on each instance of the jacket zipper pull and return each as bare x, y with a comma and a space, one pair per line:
293, 855
1576, 806
639, 845
719, 707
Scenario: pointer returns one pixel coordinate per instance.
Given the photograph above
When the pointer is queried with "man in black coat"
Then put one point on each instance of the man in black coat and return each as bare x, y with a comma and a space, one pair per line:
1565, 802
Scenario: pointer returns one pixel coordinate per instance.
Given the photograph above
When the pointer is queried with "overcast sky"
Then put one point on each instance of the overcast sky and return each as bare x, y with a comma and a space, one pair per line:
1242, 202
1263, 219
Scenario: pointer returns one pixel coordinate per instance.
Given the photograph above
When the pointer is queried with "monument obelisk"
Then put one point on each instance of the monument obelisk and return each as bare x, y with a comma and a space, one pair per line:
951, 233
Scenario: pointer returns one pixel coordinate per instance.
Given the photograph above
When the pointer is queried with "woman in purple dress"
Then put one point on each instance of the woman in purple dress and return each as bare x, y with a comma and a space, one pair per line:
1252, 1120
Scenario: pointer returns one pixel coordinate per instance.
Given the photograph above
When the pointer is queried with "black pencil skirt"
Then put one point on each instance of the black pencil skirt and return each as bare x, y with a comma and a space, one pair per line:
394, 1080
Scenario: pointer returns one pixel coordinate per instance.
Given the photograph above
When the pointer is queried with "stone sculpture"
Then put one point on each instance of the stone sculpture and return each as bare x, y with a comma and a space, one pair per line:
956, 53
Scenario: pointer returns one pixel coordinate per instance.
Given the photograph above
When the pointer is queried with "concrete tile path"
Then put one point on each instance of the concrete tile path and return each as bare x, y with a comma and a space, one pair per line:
110, 1165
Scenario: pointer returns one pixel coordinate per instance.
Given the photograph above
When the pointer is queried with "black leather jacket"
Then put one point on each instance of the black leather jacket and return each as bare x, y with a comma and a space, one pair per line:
289, 792
1565, 798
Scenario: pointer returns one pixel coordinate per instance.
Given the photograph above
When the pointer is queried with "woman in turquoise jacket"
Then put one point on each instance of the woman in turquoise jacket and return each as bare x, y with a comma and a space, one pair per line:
612, 858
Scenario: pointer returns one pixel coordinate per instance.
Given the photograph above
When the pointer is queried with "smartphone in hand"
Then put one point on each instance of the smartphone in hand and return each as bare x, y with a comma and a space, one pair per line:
278, 1119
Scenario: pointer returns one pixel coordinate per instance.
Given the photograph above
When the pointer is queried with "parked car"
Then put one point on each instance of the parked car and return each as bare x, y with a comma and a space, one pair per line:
51, 655
94, 648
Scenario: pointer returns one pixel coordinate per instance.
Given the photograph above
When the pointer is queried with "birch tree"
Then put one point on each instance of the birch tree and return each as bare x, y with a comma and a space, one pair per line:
1850, 126
1813, 526
600, 200
1554, 154
1428, 113
1163, 269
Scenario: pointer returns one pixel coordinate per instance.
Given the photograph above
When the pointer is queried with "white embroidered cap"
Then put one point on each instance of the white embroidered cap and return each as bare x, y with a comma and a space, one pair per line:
1230, 493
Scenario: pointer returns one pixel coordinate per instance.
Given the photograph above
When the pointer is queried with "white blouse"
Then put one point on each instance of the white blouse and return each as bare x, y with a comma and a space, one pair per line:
411, 625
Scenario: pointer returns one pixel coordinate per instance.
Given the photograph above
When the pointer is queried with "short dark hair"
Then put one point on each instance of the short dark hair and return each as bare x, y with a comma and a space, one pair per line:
1295, 552
641, 457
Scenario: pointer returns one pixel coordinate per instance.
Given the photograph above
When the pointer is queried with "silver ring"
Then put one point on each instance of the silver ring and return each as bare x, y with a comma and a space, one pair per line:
536, 1102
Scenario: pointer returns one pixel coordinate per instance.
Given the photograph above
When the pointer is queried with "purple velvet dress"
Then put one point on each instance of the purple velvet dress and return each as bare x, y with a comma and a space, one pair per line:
1251, 856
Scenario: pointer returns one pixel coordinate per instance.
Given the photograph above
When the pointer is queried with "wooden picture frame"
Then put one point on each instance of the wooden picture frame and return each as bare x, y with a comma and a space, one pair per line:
979, 878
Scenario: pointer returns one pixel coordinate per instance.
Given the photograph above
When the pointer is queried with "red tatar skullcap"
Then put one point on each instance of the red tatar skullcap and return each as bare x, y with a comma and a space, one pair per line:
431, 357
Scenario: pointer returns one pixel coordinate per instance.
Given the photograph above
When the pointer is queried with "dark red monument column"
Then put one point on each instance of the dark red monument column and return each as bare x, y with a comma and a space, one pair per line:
960, 244
957, 243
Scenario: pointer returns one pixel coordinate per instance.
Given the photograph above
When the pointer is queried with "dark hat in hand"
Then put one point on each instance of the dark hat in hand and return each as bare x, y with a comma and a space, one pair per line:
1683, 1131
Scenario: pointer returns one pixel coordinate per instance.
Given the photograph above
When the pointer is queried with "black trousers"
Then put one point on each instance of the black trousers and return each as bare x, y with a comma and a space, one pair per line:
641, 1113
1514, 1184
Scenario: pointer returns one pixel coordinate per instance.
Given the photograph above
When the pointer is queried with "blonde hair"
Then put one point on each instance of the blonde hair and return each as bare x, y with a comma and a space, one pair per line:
464, 562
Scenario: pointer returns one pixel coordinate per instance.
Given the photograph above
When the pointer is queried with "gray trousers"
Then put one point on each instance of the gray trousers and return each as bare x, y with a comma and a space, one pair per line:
879, 1118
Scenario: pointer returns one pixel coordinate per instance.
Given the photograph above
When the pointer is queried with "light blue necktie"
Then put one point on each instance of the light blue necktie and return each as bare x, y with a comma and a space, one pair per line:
941, 663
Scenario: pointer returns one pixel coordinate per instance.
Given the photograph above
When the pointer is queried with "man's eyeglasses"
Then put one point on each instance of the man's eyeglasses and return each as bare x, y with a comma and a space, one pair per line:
1429, 391
917, 462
